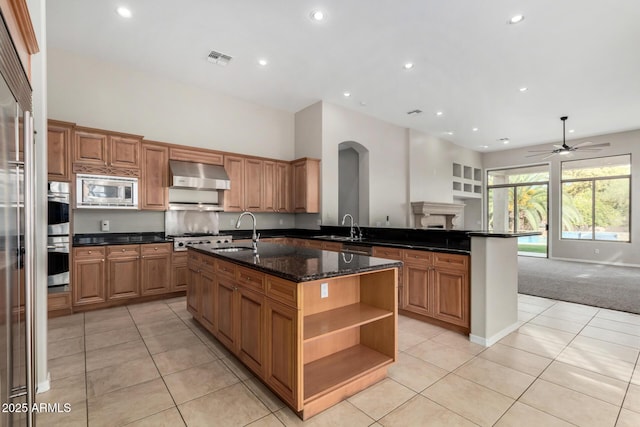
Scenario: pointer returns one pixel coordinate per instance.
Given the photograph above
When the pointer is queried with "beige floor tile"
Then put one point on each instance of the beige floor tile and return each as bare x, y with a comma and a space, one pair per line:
270, 400
237, 368
106, 314
162, 315
161, 343
161, 328
65, 321
473, 401
600, 363
70, 389
569, 405
147, 307
441, 355
342, 414
169, 301
614, 325
498, 378
628, 419
459, 342
129, 404
65, 332
635, 378
521, 415
524, 316
116, 323
407, 340
66, 366
415, 373
418, 327
530, 299
545, 333
269, 421
572, 307
167, 418
195, 382
210, 341
539, 346
381, 398
182, 358
119, 376
421, 411
590, 383
611, 336
116, 354
560, 324
619, 316
111, 338
530, 308
234, 405
514, 358
65, 347
76, 417
632, 399
593, 345
559, 313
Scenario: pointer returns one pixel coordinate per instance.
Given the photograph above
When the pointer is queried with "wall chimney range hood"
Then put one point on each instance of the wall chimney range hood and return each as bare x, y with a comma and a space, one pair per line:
198, 176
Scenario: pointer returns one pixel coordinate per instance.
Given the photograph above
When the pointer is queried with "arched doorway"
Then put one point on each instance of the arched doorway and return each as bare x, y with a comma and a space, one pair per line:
353, 181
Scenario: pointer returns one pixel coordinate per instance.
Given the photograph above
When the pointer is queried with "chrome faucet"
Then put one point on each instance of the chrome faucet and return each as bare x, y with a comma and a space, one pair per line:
352, 232
254, 237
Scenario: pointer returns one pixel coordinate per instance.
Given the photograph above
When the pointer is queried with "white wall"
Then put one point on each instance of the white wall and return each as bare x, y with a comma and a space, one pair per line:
609, 252
102, 95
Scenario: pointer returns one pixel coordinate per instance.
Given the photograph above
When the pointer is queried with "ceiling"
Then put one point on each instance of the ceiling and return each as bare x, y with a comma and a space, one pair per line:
575, 57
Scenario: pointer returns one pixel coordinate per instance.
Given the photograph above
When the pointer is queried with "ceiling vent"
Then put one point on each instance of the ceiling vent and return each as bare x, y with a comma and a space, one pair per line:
414, 112
218, 58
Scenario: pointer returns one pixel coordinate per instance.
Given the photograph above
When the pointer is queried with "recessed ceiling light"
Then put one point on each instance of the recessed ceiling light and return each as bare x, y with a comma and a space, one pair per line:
475, 129
571, 130
516, 18
524, 89
505, 140
124, 12
449, 133
484, 146
439, 113
408, 65
262, 62
317, 15
363, 104
347, 94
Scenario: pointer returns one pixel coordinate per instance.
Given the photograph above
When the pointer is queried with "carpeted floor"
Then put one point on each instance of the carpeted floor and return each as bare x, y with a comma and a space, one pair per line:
604, 286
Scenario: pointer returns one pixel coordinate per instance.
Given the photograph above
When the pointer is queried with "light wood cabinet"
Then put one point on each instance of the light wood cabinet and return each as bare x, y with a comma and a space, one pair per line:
123, 272
306, 185
283, 188
59, 150
179, 271
226, 316
253, 184
194, 287
154, 177
89, 275
234, 197
207, 307
251, 346
195, 155
156, 268
97, 148
269, 198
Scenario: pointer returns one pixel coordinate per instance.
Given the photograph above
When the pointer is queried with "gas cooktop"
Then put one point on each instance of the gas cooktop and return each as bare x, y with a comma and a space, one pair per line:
181, 241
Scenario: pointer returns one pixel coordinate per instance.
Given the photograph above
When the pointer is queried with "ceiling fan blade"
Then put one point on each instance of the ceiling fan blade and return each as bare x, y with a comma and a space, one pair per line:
549, 156
558, 146
540, 151
583, 143
604, 144
537, 154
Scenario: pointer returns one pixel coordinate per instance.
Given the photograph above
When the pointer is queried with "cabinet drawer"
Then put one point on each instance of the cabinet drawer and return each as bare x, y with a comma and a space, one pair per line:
194, 258
123, 251
89, 252
251, 279
455, 261
283, 291
59, 301
226, 269
161, 248
411, 255
389, 253
179, 258
332, 246
208, 263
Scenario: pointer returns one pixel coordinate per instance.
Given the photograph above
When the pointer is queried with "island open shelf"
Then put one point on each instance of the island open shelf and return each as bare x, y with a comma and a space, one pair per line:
339, 319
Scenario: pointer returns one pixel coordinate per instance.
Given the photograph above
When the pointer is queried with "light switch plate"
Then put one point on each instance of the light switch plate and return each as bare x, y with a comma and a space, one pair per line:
324, 290
104, 225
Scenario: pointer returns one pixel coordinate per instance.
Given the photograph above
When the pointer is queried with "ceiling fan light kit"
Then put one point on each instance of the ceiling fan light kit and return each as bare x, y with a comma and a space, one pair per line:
565, 149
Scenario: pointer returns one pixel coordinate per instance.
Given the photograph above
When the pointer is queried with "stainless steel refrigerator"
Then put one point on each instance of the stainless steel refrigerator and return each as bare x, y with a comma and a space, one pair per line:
16, 240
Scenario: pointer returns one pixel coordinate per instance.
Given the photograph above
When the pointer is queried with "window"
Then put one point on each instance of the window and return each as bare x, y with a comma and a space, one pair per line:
596, 198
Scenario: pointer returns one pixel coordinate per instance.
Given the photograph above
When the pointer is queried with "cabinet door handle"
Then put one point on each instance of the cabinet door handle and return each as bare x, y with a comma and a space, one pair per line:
123, 250
89, 252
102, 260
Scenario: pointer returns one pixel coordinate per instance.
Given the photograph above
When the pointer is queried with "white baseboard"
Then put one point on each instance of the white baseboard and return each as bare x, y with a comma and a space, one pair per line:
488, 342
588, 261
44, 385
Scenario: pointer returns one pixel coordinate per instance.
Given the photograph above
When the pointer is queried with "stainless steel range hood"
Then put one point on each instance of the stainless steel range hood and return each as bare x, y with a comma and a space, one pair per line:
198, 176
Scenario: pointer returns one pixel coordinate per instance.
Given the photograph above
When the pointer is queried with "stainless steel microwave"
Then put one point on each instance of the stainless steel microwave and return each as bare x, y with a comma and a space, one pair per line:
106, 192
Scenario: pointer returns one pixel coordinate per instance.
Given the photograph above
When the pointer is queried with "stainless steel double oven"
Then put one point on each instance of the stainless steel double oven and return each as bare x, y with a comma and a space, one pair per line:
58, 240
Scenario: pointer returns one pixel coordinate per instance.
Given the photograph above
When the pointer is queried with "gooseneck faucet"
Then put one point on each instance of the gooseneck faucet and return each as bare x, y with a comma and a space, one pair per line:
351, 231
254, 237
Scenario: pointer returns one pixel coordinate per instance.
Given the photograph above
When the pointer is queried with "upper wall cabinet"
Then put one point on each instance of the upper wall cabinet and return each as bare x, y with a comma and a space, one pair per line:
15, 14
276, 187
154, 177
195, 155
59, 150
105, 153
234, 197
306, 185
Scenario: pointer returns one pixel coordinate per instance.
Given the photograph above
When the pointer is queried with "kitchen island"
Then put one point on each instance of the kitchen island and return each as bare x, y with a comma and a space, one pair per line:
315, 326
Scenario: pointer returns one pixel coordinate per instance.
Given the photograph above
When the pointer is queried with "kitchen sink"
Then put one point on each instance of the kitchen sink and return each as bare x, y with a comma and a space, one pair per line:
232, 249
333, 237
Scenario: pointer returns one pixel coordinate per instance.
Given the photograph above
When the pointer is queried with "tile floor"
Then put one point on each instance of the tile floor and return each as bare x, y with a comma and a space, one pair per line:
152, 365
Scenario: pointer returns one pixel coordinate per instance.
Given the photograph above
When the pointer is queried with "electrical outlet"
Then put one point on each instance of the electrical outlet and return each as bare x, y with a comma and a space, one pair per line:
104, 225
281, 221
324, 290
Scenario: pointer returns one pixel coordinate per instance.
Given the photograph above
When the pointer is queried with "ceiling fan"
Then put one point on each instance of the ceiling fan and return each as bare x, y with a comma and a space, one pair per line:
566, 149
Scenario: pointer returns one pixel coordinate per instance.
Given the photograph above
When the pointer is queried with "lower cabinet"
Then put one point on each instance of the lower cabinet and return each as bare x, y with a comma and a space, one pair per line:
251, 346
156, 269
281, 358
179, 271
89, 275
123, 271
417, 290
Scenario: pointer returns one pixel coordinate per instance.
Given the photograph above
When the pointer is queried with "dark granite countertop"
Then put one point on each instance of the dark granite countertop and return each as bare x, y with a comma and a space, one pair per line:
118, 239
502, 235
298, 264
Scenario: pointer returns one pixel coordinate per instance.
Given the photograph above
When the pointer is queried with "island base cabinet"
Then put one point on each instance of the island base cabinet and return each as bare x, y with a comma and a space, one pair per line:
251, 345
283, 350
451, 296
226, 316
193, 291
207, 307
